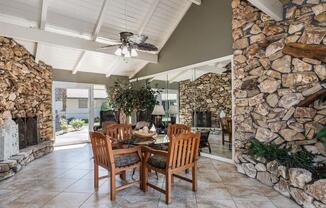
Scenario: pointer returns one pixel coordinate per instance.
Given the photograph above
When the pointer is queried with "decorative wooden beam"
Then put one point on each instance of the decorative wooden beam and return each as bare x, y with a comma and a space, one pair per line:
312, 98
96, 31
273, 8
198, 2
301, 50
37, 35
148, 16
44, 13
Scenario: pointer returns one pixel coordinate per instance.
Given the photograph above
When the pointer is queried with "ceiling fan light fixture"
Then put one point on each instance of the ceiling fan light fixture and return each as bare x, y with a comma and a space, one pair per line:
118, 52
134, 52
125, 50
128, 54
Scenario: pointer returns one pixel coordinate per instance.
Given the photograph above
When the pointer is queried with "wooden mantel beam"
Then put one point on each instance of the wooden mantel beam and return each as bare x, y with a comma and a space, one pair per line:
41, 36
198, 2
273, 8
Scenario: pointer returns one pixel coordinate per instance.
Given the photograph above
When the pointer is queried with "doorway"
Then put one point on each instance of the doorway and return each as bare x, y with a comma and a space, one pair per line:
73, 112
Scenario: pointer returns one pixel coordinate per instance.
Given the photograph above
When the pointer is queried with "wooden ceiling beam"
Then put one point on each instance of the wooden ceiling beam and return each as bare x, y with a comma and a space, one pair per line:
197, 2
44, 13
96, 31
41, 36
273, 8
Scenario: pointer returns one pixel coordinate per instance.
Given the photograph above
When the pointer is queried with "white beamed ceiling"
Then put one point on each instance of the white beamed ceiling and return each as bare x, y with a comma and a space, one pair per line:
78, 18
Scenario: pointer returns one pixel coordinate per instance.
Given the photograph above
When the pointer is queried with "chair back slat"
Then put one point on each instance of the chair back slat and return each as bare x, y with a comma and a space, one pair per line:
101, 147
183, 150
176, 129
119, 132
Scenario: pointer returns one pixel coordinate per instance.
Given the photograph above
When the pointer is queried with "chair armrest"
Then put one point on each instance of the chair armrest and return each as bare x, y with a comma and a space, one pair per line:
126, 151
155, 152
119, 145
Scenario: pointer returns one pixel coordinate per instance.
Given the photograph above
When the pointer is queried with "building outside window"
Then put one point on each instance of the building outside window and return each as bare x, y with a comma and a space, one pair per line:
82, 103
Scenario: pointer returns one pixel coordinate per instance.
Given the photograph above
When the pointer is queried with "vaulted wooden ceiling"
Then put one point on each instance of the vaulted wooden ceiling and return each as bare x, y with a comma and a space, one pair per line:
67, 33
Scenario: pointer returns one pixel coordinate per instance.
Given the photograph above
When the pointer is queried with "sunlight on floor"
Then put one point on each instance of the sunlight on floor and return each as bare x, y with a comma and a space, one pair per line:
70, 147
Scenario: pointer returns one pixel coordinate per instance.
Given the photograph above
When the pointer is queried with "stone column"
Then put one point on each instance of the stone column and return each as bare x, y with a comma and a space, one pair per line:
9, 141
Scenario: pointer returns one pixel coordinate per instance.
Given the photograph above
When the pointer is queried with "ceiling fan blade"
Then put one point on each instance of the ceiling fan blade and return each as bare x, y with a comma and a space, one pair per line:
138, 39
146, 47
109, 46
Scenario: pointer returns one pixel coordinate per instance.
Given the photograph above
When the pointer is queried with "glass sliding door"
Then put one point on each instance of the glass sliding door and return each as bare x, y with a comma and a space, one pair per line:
73, 111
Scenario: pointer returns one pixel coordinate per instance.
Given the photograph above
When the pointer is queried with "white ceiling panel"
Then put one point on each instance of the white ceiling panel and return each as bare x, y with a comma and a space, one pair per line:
126, 67
58, 57
29, 10
96, 62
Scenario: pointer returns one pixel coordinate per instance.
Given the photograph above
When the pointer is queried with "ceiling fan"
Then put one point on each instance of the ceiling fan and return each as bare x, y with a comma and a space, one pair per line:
130, 43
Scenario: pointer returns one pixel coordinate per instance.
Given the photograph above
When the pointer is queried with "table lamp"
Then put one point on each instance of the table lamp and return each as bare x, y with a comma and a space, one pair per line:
158, 112
173, 111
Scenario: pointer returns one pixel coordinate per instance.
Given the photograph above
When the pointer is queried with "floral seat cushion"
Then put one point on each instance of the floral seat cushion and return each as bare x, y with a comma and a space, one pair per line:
157, 161
126, 159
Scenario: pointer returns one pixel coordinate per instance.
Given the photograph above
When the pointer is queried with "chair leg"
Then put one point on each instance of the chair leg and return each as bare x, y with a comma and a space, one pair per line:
140, 177
194, 178
168, 188
96, 176
145, 178
133, 173
123, 175
230, 141
209, 148
112, 184
156, 175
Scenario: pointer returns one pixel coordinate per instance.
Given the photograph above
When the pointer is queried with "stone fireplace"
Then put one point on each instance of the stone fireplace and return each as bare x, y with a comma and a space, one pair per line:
28, 131
25, 107
210, 93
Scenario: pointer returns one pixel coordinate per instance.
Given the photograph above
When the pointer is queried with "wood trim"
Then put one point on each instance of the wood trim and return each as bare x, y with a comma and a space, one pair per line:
312, 98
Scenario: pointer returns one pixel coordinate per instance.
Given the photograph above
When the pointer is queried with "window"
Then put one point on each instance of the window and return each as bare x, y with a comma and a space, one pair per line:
82, 103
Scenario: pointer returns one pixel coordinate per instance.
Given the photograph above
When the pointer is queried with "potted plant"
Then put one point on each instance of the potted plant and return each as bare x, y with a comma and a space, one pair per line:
132, 98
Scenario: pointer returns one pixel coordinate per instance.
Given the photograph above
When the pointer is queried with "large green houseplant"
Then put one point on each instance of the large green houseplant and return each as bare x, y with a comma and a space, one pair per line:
133, 98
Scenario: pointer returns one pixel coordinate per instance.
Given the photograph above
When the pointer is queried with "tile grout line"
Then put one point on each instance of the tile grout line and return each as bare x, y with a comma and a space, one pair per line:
234, 202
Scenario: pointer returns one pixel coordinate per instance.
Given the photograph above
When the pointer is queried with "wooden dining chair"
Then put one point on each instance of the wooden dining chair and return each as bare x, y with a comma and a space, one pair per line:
176, 129
119, 133
117, 161
226, 126
181, 155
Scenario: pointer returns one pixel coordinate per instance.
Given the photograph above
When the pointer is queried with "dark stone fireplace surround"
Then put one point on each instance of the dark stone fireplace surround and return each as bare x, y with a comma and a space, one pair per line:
28, 131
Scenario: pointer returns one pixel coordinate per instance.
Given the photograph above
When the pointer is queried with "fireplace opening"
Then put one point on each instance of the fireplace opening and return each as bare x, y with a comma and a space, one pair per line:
28, 131
201, 119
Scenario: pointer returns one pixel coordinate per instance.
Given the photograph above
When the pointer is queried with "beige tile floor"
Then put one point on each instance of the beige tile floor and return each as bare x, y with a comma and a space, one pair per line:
64, 179
217, 147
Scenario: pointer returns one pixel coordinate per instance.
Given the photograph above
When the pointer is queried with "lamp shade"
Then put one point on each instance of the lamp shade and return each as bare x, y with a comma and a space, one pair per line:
173, 109
158, 110
222, 114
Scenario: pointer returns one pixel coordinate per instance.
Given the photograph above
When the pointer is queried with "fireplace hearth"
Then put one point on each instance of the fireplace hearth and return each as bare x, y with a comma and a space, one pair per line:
28, 131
